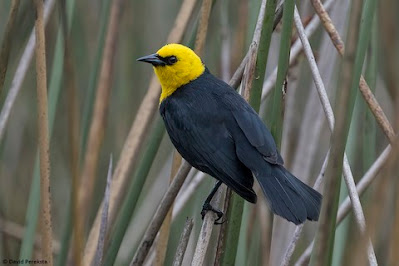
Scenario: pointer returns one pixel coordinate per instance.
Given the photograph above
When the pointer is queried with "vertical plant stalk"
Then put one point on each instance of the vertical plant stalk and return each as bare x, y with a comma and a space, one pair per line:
261, 61
41, 83
33, 207
73, 131
283, 64
221, 243
20, 73
278, 101
368, 96
183, 243
384, 192
390, 33
364, 243
392, 171
55, 87
255, 99
322, 253
206, 230
97, 127
132, 146
203, 26
389, 42
7, 41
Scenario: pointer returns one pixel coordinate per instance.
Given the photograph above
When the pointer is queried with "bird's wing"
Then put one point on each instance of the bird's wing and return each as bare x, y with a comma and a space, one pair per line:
254, 129
203, 140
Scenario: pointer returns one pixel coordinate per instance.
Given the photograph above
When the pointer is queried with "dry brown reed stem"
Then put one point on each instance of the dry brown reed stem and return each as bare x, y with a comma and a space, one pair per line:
249, 70
183, 243
207, 229
222, 231
392, 170
160, 214
163, 237
203, 26
237, 76
44, 146
7, 40
325, 235
73, 133
20, 72
389, 43
132, 145
363, 86
97, 127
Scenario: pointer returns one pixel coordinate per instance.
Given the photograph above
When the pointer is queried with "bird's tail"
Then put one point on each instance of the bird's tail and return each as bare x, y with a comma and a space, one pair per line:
288, 196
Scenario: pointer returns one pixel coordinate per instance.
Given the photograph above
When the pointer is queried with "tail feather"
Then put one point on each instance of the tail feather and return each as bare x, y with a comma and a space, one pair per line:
288, 196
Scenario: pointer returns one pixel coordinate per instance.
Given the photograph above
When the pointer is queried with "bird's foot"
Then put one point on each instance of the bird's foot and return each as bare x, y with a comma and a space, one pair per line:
208, 207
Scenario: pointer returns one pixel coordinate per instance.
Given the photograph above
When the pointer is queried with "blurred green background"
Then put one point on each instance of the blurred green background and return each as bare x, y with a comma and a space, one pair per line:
143, 29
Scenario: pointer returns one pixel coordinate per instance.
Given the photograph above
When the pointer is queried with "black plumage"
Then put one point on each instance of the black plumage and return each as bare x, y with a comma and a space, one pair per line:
219, 133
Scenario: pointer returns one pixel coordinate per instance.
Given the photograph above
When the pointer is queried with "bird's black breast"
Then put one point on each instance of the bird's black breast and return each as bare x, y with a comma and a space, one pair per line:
197, 122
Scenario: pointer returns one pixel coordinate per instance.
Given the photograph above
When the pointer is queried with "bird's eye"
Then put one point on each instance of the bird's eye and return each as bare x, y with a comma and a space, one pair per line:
172, 59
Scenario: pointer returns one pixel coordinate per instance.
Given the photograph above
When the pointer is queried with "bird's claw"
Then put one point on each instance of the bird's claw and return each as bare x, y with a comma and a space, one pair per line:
208, 207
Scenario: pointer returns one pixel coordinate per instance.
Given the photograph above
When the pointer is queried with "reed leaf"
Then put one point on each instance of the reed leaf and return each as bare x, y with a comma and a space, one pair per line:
276, 124
323, 249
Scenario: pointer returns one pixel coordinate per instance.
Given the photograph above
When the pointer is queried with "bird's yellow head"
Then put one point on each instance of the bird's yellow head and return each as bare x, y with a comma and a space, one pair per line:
175, 65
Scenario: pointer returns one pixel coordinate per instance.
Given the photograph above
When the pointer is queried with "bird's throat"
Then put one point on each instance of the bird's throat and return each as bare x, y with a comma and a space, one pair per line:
172, 79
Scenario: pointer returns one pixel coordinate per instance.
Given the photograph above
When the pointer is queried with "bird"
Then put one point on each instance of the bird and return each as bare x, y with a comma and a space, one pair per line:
219, 133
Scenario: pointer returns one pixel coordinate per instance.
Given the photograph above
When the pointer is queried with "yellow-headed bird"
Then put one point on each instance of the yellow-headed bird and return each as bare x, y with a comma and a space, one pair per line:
219, 133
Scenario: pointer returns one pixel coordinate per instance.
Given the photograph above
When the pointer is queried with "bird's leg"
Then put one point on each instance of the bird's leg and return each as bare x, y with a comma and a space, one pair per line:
207, 204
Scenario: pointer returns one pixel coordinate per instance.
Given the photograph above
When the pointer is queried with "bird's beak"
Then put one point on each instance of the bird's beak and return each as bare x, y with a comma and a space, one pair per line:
153, 59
